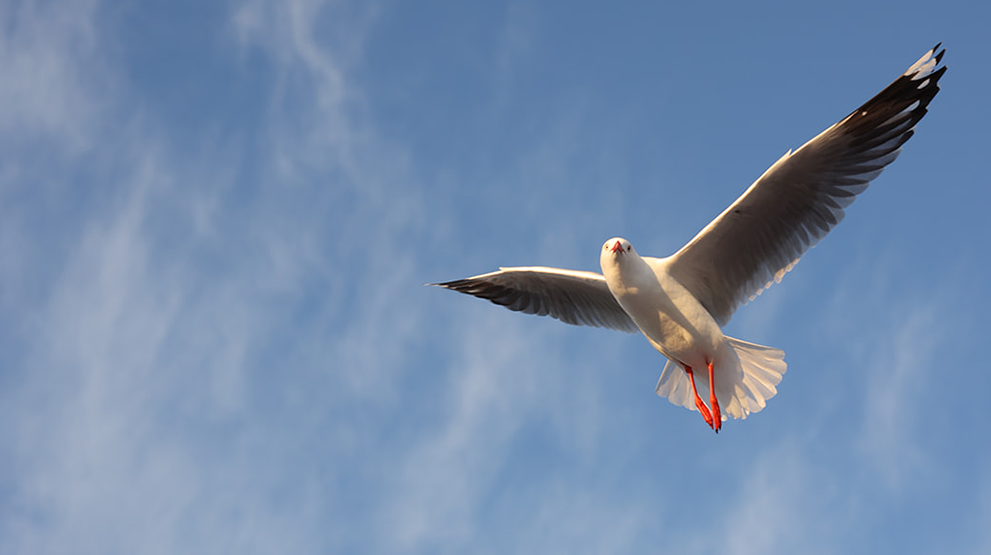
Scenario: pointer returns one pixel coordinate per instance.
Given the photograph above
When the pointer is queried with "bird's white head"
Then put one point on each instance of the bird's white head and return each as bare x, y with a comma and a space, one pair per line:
615, 251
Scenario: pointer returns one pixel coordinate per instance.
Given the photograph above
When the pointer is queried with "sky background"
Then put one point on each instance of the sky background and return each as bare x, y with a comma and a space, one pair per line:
216, 220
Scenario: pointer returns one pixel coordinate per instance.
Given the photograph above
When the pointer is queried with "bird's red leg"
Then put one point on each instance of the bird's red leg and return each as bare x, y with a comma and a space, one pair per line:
698, 400
717, 419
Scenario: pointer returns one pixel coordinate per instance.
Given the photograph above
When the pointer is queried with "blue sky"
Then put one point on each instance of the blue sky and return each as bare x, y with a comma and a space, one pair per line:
216, 220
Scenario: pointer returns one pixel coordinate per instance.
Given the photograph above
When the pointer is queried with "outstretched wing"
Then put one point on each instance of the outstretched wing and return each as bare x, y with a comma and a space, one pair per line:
573, 297
800, 198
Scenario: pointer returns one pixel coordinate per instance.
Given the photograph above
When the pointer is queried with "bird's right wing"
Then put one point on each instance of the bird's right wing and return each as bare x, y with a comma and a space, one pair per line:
800, 198
573, 297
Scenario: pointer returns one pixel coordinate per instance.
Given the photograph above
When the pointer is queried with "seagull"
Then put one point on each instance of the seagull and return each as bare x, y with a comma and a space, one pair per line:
680, 303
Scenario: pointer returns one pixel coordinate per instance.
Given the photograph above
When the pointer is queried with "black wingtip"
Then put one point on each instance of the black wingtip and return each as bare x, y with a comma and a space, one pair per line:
939, 55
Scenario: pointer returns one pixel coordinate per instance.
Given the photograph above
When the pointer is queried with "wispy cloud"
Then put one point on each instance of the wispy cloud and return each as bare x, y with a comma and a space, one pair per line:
895, 393
54, 82
770, 513
154, 346
894, 349
315, 120
443, 478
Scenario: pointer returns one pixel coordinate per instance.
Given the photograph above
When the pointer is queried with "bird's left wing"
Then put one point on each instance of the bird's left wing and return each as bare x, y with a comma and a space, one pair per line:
573, 297
800, 198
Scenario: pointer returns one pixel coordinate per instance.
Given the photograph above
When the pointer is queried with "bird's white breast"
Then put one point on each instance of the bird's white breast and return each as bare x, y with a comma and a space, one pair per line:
675, 322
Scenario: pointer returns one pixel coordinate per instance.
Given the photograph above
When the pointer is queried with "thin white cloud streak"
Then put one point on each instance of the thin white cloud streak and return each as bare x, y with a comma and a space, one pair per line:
52, 80
768, 515
893, 351
319, 127
54, 93
315, 111
896, 393
444, 476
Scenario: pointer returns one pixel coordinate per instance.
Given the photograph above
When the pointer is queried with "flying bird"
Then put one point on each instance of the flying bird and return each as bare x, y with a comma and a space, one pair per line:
680, 303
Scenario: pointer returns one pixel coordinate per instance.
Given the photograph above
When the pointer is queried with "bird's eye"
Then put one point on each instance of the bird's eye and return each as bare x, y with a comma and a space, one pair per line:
629, 248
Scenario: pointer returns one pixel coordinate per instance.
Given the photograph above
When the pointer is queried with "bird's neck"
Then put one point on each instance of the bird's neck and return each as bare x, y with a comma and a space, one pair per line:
627, 274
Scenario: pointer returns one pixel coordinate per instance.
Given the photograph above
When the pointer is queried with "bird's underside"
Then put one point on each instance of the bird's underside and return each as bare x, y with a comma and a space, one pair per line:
745, 249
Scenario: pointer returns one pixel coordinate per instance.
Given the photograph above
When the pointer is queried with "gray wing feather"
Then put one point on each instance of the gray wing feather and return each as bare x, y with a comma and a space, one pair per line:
573, 297
800, 198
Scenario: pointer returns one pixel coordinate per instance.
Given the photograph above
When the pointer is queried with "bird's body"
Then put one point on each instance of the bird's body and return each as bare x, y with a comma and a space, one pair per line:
682, 329
681, 302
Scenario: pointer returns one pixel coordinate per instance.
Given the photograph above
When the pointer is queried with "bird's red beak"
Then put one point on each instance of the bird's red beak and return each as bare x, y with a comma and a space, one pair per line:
617, 247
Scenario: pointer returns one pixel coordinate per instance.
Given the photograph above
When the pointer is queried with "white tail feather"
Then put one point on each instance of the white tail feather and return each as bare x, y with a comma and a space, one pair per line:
745, 380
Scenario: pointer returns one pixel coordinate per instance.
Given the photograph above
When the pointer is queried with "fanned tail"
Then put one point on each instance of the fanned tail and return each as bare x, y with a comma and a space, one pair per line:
745, 379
